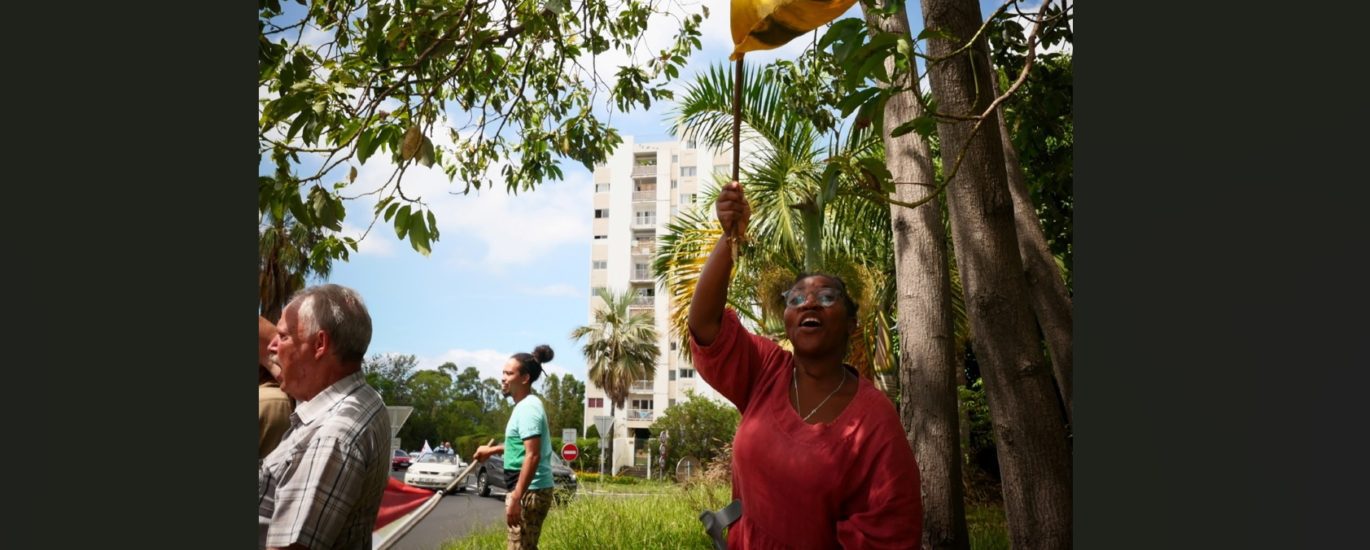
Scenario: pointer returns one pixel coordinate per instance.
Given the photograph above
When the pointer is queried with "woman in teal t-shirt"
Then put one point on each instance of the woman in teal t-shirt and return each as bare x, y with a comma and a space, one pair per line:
527, 450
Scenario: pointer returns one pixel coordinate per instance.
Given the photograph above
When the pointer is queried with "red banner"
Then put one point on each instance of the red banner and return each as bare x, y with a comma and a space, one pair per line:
399, 499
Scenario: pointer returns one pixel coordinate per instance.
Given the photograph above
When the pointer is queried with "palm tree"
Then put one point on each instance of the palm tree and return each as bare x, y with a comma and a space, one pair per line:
286, 260
620, 348
803, 214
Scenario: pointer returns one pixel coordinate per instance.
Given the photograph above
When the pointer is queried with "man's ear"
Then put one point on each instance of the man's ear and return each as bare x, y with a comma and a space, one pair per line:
322, 343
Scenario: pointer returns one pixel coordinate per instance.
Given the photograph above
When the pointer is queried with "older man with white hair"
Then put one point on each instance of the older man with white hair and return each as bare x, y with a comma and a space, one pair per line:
322, 486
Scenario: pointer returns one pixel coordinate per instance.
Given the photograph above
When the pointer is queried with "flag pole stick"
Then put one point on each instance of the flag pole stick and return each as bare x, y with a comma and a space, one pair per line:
734, 239
413, 519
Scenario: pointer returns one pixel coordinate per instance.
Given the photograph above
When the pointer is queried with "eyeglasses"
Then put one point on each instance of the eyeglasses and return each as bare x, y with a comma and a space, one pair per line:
826, 297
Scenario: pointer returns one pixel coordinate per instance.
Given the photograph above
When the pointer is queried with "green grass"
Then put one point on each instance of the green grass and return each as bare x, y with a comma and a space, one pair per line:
987, 528
640, 487
668, 518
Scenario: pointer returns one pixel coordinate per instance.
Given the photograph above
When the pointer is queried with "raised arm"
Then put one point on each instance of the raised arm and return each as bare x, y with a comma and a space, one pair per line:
711, 292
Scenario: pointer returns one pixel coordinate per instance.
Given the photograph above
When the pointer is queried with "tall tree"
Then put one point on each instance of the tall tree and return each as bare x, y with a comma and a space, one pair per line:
927, 367
551, 402
1034, 457
572, 413
1043, 130
508, 87
390, 374
620, 348
697, 426
564, 398
805, 215
285, 261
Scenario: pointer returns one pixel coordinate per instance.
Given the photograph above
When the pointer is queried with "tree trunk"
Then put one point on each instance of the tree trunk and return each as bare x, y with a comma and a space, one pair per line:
927, 364
1046, 287
1029, 430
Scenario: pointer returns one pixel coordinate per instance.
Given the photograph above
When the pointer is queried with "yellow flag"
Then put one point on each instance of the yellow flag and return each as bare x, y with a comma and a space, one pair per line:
769, 24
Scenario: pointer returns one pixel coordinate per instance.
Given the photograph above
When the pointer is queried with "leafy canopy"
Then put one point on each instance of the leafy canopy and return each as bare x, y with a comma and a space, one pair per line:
509, 86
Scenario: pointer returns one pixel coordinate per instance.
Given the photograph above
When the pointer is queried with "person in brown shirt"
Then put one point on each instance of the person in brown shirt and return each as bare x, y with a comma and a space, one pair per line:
273, 405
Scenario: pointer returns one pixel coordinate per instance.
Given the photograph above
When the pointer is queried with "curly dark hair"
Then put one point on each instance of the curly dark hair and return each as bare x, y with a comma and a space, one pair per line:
531, 363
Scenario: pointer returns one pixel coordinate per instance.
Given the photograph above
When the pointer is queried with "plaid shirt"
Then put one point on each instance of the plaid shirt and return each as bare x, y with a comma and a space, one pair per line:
322, 485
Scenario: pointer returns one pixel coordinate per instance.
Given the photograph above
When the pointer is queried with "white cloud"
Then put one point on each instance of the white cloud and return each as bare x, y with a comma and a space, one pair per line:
489, 362
380, 242
516, 230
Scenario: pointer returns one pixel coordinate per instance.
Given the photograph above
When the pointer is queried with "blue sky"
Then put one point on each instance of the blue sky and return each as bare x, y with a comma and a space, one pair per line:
510, 272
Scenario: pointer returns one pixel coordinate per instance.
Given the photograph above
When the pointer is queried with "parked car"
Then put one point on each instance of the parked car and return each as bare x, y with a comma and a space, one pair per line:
491, 472
400, 461
436, 471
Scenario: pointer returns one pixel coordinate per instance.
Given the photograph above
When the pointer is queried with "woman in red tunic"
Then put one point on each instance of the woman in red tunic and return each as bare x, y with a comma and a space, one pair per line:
820, 459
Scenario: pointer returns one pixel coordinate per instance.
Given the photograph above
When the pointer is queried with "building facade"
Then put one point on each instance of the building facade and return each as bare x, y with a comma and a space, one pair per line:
637, 192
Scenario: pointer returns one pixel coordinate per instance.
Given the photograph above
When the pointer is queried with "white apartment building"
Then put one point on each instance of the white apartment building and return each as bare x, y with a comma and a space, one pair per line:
637, 191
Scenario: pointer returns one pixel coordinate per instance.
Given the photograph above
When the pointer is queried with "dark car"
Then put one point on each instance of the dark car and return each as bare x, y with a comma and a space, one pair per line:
491, 473
400, 461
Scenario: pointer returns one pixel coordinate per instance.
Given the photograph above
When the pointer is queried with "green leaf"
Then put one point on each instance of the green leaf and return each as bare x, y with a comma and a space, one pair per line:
402, 222
924, 125
305, 116
366, 144
941, 34
418, 235
390, 212
352, 175
433, 223
856, 99
844, 29
876, 169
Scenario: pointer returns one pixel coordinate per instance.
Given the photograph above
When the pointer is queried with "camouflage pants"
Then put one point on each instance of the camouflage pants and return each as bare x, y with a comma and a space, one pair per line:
535, 503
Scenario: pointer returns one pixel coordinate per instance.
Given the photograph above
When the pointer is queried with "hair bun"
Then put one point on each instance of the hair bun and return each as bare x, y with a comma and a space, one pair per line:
543, 353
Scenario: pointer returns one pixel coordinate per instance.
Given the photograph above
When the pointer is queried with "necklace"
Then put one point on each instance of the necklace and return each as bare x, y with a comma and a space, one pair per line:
794, 375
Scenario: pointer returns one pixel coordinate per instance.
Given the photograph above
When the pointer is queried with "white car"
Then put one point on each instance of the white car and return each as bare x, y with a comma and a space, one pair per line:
435, 471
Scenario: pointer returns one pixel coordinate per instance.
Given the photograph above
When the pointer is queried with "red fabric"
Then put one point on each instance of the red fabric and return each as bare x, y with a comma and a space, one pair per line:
850, 483
399, 499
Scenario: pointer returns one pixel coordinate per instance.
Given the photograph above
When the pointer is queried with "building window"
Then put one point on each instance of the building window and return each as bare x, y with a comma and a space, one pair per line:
596, 403
675, 159
687, 171
642, 404
687, 198
687, 373
599, 264
690, 144
595, 290
674, 183
672, 403
672, 375
601, 188
673, 345
644, 217
601, 237
601, 213
641, 272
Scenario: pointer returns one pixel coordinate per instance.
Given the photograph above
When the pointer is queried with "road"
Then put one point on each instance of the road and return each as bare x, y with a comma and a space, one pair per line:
455, 516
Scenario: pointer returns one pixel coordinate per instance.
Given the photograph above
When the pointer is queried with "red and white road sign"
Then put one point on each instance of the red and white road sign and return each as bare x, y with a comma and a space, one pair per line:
570, 452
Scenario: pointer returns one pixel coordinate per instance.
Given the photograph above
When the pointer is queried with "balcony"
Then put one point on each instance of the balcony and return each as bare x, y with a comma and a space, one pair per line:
644, 170
642, 304
639, 415
644, 196
641, 386
641, 276
643, 249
